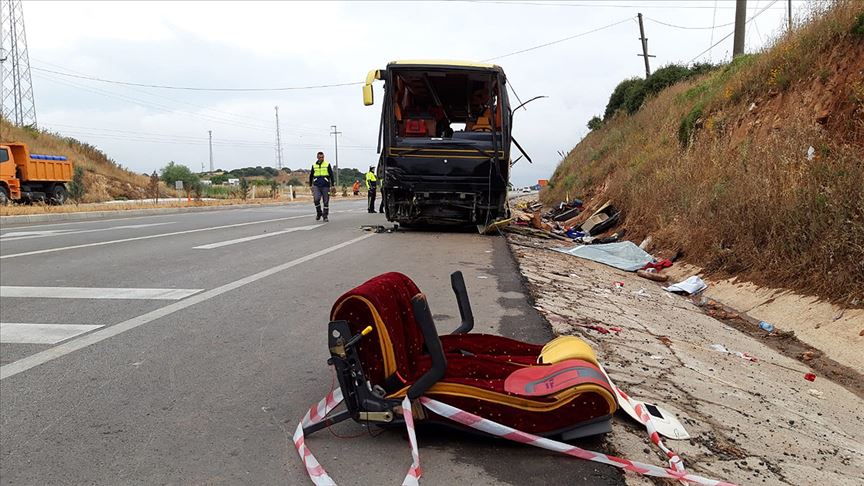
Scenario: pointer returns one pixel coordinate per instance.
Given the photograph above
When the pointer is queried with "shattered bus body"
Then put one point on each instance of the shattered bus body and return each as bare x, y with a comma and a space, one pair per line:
444, 142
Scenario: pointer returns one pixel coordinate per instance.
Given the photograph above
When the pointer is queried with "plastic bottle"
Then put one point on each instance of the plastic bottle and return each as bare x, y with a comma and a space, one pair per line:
766, 326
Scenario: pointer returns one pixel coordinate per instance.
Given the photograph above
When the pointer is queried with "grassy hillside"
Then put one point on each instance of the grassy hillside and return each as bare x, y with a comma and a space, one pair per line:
105, 179
717, 166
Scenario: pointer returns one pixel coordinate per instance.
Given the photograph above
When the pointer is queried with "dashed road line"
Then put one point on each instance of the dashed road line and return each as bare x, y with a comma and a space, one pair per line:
67, 347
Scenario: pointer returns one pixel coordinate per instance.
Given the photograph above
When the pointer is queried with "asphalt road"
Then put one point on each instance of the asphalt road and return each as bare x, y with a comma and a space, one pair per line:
199, 374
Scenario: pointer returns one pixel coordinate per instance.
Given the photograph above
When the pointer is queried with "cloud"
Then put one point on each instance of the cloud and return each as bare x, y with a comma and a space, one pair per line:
258, 44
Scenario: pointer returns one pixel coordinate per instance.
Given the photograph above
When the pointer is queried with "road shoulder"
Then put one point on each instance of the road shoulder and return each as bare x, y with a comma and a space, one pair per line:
750, 421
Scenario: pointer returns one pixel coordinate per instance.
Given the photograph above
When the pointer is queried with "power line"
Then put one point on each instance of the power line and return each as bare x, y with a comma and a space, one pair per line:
688, 28
184, 138
732, 33
261, 123
581, 34
152, 105
693, 5
194, 88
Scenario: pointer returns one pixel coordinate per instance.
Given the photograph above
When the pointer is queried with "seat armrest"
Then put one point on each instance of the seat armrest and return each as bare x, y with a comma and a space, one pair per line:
433, 345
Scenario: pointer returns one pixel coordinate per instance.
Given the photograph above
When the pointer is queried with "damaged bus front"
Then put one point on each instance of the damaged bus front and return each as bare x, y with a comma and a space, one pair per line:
444, 141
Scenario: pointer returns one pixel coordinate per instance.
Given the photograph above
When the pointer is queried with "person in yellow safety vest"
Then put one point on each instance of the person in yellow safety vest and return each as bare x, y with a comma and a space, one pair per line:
320, 179
371, 186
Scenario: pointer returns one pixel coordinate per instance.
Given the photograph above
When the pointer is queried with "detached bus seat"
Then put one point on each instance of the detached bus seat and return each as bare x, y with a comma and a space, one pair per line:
384, 345
481, 125
415, 127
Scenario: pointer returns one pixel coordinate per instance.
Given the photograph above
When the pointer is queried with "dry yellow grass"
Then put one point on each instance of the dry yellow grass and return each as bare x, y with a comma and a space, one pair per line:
81, 154
740, 196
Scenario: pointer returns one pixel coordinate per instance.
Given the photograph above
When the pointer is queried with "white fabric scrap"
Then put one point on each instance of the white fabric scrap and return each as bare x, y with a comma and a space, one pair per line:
692, 285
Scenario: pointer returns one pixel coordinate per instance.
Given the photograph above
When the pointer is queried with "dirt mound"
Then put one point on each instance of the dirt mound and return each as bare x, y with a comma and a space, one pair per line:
105, 179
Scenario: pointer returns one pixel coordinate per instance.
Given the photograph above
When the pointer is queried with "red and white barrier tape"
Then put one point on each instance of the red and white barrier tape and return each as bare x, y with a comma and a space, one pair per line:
496, 429
316, 414
319, 412
675, 461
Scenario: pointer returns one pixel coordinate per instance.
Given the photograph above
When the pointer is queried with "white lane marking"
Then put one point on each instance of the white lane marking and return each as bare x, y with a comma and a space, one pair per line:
96, 293
148, 237
63, 349
21, 333
256, 237
26, 235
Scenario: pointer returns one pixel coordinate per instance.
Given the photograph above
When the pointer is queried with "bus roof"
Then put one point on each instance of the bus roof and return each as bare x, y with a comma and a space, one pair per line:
445, 63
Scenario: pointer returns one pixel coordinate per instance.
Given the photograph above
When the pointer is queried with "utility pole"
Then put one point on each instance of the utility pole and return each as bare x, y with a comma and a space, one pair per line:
336, 143
18, 106
644, 47
278, 142
789, 24
740, 20
210, 133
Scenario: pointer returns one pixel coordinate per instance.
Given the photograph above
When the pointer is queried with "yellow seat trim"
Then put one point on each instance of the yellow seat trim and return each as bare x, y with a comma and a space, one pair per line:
562, 398
380, 329
567, 347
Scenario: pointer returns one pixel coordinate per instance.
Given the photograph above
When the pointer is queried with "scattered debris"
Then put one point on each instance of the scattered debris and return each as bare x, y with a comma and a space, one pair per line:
692, 285
815, 393
722, 349
623, 255
641, 293
652, 274
645, 243
811, 153
603, 219
378, 228
810, 376
766, 326
618, 285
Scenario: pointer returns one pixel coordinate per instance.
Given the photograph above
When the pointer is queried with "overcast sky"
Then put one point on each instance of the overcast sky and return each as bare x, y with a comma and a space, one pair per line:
270, 44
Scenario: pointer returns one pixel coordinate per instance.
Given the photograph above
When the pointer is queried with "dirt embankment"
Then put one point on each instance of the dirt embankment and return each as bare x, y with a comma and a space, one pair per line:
105, 179
753, 170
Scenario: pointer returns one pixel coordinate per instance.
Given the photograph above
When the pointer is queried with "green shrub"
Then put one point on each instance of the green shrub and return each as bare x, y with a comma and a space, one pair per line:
619, 96
858, 26
688, 125
77, 186
594, 123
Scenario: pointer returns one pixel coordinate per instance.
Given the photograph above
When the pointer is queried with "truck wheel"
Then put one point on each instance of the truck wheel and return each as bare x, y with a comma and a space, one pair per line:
4, 196
58, 195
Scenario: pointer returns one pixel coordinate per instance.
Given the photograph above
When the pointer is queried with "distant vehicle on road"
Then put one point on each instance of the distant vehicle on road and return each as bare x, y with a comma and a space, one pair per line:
526, 189
444, 141
31, 177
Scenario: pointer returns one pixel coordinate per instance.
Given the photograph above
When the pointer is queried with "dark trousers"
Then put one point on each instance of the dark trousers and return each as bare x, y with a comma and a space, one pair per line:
372, 199
321, 194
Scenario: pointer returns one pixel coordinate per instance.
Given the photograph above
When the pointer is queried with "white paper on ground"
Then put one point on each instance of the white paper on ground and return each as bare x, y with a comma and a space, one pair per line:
690, 286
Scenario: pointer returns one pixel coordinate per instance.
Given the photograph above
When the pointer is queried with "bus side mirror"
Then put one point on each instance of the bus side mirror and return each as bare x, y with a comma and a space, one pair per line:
368, 98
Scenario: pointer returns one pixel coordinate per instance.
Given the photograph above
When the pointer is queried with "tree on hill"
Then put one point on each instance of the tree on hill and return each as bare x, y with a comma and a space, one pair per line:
154, 187
173, 172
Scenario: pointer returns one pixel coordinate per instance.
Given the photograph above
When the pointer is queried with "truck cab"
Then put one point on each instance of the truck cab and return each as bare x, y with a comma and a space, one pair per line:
32, 177
444, 141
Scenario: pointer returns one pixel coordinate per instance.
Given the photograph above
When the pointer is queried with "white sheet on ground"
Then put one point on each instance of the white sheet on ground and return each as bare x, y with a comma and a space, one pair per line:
624, 255
690, 286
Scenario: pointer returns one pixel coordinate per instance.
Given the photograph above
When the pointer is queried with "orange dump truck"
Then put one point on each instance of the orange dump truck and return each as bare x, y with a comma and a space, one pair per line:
31, 177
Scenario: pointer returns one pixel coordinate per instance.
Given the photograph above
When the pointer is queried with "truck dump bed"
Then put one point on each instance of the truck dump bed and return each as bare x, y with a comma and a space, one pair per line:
38, 168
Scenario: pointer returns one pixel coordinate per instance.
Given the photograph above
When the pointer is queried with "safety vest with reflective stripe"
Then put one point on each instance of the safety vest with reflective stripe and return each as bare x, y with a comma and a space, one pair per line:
371, 180
321, 170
